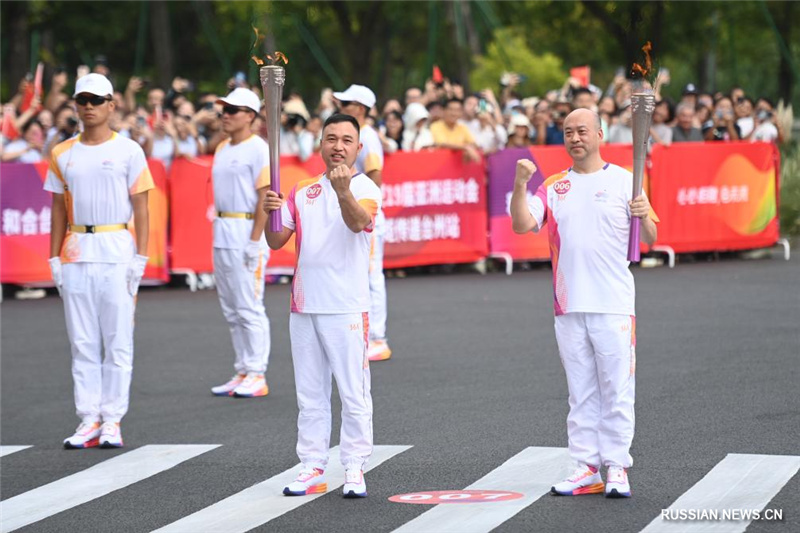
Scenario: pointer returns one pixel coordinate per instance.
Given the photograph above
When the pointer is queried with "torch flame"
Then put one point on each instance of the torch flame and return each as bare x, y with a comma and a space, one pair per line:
278, 56
258, 61
648, 63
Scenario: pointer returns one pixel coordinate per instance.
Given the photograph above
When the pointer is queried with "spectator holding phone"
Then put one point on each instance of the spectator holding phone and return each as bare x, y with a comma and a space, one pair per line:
725, 127
765, 127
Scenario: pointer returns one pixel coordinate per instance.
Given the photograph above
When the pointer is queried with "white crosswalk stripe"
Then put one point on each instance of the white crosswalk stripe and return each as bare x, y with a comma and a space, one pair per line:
532, 472
265, 501
738, 482
99, 480
8, 450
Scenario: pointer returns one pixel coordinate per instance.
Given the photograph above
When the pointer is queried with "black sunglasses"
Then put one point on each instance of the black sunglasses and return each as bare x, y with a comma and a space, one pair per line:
345, 103
82, 100
231, 110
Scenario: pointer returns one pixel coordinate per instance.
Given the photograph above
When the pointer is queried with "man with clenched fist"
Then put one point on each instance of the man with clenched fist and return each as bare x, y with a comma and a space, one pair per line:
332, 216
587, 209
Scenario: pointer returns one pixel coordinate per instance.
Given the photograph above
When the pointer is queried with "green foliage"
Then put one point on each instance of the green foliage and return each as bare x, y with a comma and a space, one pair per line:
790, 189
509, 52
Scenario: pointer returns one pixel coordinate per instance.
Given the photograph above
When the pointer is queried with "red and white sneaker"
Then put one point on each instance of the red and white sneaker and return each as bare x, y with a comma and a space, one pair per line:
87, 435
308, 481
253, 386
226, 389
378, 351
111, 435
355, 486
585, 479
617, 485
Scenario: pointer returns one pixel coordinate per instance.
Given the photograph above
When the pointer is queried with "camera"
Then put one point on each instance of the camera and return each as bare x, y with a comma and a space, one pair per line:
292, 120
208, 105
764, 115
72, 122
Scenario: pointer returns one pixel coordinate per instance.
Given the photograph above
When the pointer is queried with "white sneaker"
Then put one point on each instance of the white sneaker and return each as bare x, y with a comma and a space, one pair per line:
110, 435
308, 481
226, 389
355, 486
584, 480
253, 386
617, 485
86, 436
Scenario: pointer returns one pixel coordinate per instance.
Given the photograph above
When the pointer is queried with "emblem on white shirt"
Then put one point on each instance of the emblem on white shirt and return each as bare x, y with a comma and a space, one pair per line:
314, 190
562, 187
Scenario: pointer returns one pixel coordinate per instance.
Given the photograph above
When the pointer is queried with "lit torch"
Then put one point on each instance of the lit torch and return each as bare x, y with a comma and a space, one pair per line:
642, 106
272, 80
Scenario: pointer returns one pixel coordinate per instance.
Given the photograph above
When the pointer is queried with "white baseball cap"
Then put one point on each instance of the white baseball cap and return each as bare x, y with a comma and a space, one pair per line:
95, 84
357, 93
241, 97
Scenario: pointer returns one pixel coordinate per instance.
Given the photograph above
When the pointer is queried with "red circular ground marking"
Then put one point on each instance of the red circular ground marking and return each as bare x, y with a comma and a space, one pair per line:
436, 497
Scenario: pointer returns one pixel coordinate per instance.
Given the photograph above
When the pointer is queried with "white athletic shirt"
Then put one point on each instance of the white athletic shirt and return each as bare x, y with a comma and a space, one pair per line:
332, 274
588, 222
239, 171
100, 180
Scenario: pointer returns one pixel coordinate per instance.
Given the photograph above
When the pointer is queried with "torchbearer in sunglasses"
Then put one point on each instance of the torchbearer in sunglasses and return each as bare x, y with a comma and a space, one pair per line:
241, 179
99, 180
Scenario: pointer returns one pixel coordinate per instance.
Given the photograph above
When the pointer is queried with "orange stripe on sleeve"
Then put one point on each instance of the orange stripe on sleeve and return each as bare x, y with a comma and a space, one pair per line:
372, 162
144, 182
264, 178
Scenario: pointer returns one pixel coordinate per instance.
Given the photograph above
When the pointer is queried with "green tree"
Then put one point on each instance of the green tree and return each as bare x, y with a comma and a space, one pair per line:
509, 52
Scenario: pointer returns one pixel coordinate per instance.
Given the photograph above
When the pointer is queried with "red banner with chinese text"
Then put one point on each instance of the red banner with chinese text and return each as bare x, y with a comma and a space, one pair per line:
435, 207
715, 196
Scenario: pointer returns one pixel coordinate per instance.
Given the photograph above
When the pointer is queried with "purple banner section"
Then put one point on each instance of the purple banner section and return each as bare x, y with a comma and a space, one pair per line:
502, 168
21, 190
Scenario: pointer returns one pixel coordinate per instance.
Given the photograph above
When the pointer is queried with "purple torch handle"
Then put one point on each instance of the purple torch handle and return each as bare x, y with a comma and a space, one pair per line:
275, 221
272, 80
634, 251
642, 107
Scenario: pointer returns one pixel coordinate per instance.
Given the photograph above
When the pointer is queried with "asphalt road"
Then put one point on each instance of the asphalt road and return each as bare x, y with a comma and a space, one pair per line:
475, 379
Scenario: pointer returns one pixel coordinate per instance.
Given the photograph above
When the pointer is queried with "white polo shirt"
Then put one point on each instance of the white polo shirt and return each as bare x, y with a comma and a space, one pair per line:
238, 172
332, 273
588, 222
100, 179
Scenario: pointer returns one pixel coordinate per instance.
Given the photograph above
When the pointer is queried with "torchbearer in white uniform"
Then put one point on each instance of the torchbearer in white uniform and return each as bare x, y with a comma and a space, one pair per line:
332, 217
241, 179
587, 209
356, 101
99, 180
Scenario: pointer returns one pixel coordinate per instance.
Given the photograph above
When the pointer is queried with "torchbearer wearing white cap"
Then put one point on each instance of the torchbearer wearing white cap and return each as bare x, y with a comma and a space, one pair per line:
99, 180
241, 178
356, 101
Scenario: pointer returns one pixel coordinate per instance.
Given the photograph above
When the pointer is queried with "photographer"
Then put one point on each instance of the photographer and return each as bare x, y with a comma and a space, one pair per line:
295, 140
725, 127
65, 127
765, 127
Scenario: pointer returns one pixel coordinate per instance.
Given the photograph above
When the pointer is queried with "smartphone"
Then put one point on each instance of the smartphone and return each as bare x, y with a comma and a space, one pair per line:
240, 79
83, 70
482, 105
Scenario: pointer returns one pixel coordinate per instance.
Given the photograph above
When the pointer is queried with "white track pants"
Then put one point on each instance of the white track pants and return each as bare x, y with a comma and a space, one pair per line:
241, 295
325, 346
99, 314
377, 283
599, 357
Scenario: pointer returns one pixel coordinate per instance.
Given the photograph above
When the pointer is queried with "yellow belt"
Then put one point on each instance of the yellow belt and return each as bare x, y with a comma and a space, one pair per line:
230, 214
97, 229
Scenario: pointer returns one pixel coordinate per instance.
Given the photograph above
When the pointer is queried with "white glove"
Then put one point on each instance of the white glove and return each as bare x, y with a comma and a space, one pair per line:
252, 255
55, 272
135, 272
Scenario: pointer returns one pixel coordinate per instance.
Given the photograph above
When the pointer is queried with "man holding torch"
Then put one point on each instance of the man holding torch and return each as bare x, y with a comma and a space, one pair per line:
588, 209
241, 179
333, 216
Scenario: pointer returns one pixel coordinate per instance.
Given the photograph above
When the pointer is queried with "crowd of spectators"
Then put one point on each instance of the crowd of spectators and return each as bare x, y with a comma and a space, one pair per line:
181, 122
